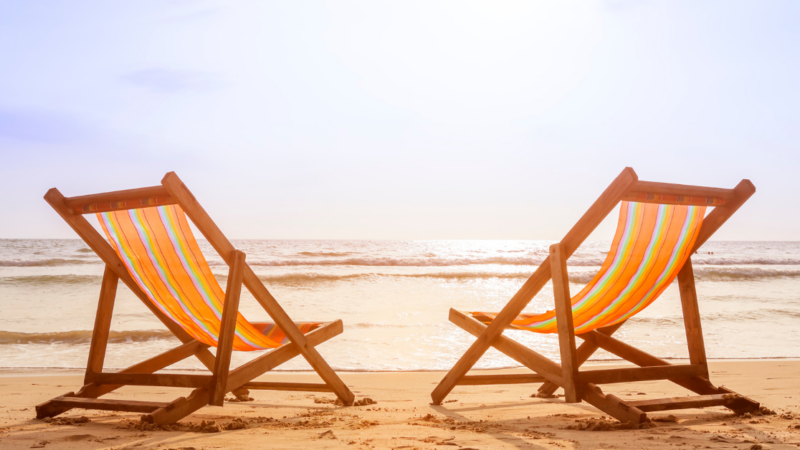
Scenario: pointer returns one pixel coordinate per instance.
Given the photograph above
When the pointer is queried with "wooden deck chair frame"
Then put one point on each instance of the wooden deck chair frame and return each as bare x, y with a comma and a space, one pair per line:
583, 385
208, 389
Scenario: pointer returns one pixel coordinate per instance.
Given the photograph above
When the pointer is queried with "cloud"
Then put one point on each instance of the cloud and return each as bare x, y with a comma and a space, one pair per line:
40, 126
167, 81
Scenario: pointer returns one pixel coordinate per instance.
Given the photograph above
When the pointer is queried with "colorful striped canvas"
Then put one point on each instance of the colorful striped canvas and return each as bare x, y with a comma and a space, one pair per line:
651, 244
160, 251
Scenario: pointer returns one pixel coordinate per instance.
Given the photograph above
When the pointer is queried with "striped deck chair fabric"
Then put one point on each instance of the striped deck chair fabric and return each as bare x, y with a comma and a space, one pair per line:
159, 250
651, 244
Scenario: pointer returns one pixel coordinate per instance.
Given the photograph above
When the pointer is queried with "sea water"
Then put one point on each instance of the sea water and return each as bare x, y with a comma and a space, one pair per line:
394, 298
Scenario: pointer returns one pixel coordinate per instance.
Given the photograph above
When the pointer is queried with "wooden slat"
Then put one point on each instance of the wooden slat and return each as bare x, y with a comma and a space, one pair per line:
612, 405
102, 248
564, 322
480, 380
699, 401
650, 187
626, 375
582, 229
278, 386
584, 352
511, 348
252, 369
230, 311
152, 379
691, 317
102, 323
108, 405
115, 196
716, 218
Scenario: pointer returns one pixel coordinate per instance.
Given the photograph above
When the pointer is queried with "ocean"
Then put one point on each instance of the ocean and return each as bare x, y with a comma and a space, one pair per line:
394, 298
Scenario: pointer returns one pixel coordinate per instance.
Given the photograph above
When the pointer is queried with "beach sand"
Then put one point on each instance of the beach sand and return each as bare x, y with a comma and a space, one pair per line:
478, 417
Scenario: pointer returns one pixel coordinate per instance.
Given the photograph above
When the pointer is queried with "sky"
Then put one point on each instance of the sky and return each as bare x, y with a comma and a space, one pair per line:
401, 119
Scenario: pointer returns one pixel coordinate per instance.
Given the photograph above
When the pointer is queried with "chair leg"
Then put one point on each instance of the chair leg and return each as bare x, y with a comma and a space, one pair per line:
230, 311
564, 321
691, 316
102, 324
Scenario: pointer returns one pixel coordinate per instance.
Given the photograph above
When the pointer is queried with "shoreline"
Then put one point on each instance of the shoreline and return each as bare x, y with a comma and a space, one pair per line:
52, 371
472, 417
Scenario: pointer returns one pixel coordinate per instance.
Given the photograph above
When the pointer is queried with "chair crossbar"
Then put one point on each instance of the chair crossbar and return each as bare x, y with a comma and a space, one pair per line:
626, 375
108, 405
152, 379
696, 401
480, 380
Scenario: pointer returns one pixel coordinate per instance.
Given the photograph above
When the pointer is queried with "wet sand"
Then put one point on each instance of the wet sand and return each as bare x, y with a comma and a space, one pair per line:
477, 417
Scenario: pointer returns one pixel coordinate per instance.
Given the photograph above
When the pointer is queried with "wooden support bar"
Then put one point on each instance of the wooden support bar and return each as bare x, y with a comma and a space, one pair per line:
716, 218
102, 324
699, 401
691, 317
612, 405
566, 329
650, 187
582, 229
152, 379
230, 311
276, 386
626, 375
91, 390
120, 200
102, 248
252, 369
480, 380
584, 352
179, 408
641, 358
107, 405
511, 348
222, 245
115, 196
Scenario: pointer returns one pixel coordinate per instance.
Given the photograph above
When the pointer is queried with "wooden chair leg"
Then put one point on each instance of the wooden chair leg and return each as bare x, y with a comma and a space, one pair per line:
691, 316
584, 352
566, 330
230, 311
102, 324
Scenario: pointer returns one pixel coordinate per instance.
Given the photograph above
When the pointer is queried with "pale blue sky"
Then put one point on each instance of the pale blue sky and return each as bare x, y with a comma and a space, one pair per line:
399, 120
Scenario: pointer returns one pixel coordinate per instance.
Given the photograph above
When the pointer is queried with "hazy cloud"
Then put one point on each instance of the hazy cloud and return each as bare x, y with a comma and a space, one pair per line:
40, 126
169, 81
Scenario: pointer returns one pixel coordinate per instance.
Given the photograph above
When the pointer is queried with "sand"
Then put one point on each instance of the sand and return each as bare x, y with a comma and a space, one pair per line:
476, 417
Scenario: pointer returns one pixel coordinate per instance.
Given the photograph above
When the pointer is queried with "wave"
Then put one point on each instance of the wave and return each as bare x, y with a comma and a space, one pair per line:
417, 262
328, 254
580, 277
47, 262
82, 337
733, 261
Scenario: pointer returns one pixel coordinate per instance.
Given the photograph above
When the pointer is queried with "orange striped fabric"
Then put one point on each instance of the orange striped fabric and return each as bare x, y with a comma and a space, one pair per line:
161, 254
650, 246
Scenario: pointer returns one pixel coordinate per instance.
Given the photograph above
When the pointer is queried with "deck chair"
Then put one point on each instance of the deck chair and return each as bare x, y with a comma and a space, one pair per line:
152, 250
660, 226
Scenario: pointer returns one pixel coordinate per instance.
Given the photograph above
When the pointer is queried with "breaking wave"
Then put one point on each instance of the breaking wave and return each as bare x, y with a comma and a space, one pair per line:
81, 337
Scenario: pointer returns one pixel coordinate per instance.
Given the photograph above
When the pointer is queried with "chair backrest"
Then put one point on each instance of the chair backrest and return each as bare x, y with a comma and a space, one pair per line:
161, 253
651, 244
